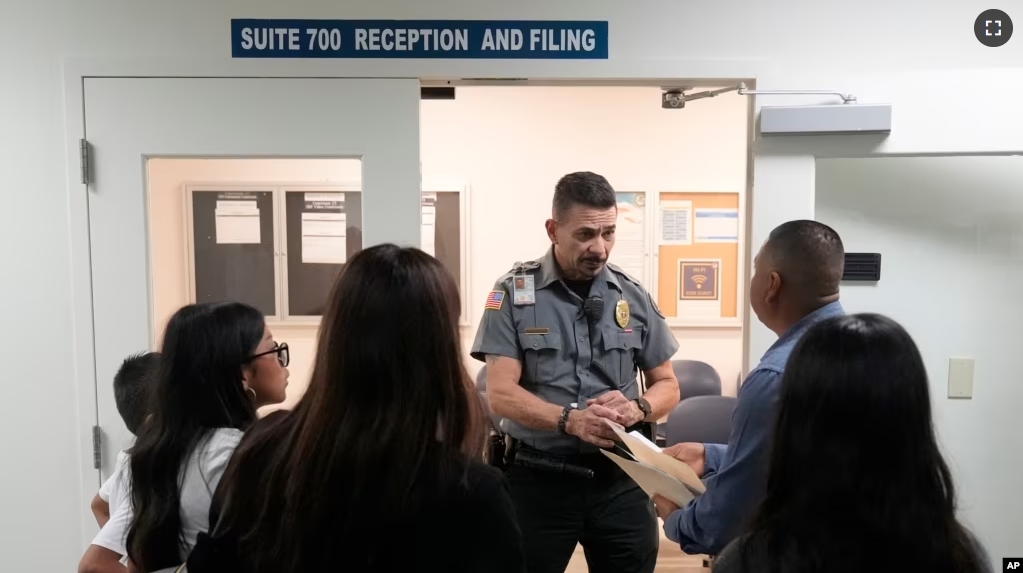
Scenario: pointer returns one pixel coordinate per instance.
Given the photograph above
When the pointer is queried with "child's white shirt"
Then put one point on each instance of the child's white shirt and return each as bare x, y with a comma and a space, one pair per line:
198, 480
115, 492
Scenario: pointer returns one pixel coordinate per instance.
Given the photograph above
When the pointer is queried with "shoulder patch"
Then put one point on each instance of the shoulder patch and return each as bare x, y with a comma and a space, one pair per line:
618, 271
494, 300
653, 305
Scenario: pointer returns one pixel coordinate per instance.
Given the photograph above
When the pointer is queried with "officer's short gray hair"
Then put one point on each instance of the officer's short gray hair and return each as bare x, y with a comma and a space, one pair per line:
582, 188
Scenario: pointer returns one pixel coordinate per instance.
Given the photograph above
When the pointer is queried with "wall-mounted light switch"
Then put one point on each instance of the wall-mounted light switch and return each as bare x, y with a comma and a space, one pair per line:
960, 378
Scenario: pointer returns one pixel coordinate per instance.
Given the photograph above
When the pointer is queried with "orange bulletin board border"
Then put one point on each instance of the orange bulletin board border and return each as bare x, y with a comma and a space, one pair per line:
670, 257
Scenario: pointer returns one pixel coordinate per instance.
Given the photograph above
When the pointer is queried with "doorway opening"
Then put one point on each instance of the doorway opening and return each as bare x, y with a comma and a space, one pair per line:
682, 181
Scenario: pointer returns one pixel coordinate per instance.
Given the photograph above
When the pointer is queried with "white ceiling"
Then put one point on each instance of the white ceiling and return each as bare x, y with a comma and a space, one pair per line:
960, 190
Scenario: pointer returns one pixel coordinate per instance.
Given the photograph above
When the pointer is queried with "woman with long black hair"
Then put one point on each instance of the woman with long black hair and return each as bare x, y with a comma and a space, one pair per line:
219, 364
378, 467
857, 482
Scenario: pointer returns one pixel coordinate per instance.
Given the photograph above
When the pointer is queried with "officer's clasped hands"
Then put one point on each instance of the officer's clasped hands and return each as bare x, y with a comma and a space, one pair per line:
590, 425
629, 412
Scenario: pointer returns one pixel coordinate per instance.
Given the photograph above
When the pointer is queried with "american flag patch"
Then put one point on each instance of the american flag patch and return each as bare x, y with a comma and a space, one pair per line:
494, 300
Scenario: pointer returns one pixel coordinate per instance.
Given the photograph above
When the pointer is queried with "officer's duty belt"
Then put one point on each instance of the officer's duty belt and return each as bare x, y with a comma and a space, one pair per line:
536, 459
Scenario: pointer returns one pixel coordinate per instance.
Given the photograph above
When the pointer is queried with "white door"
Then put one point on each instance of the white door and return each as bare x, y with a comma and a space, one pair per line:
128, 120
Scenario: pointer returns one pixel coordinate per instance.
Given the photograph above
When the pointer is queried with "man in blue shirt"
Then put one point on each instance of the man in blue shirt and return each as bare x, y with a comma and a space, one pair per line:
794, 285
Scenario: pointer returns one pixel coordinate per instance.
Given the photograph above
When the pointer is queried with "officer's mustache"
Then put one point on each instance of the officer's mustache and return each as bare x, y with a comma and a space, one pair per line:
598, 260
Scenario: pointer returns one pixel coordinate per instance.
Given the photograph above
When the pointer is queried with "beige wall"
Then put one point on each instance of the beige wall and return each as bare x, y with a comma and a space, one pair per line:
509, 145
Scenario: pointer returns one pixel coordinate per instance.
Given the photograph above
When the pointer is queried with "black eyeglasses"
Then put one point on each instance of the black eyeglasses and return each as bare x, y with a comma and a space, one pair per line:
281, 350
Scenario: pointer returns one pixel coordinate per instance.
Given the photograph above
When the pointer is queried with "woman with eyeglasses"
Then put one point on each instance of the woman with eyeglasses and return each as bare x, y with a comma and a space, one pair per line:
220, 364
379, 466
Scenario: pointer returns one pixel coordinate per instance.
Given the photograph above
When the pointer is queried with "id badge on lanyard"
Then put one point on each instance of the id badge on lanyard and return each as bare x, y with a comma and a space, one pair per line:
523, 290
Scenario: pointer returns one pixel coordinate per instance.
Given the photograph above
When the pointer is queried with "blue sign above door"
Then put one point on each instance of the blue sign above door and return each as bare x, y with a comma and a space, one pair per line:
442, 39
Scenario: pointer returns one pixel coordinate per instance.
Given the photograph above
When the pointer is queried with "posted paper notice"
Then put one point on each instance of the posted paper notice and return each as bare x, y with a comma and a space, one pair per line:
675, 222
324, 229
428, 229
699, 291
716, 225
630, 237
237, 223
324, 239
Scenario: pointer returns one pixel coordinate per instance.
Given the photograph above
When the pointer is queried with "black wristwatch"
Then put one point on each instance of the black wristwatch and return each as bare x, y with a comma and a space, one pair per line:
563, 420
644, 407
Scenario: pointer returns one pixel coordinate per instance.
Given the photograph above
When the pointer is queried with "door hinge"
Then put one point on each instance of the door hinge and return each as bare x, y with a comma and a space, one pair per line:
83, 148
96, 443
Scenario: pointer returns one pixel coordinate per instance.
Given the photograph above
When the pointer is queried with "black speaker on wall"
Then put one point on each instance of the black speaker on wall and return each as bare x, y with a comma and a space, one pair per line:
862, 267
438, 92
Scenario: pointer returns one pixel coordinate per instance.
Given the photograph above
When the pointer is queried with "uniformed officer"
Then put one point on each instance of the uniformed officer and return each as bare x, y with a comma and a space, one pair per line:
563, 337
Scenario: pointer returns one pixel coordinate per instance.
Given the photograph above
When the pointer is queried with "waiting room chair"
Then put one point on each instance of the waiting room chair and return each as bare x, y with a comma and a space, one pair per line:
696, 378
703, 419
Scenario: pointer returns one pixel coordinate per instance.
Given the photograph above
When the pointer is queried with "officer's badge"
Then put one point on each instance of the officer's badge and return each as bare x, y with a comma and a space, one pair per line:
622, 313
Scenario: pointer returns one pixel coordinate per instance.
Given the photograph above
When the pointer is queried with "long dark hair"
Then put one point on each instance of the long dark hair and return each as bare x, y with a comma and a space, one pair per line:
199, 389
856, 480
389, 388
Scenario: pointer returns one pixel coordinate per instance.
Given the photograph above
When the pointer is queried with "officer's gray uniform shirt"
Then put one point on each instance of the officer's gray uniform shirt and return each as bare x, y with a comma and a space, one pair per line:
564, 359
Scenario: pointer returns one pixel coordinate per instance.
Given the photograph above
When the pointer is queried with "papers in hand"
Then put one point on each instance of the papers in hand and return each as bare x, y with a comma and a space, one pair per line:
654, 472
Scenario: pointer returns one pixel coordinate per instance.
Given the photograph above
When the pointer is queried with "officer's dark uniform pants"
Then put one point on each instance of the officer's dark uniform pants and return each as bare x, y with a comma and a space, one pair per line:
608, 514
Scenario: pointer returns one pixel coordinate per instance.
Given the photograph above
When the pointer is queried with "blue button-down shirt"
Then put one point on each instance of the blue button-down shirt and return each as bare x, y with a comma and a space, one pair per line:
736, 474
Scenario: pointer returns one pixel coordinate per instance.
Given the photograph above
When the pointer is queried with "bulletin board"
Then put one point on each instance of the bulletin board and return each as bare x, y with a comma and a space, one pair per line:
322, 231
444, 234
232, 240
698, 240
